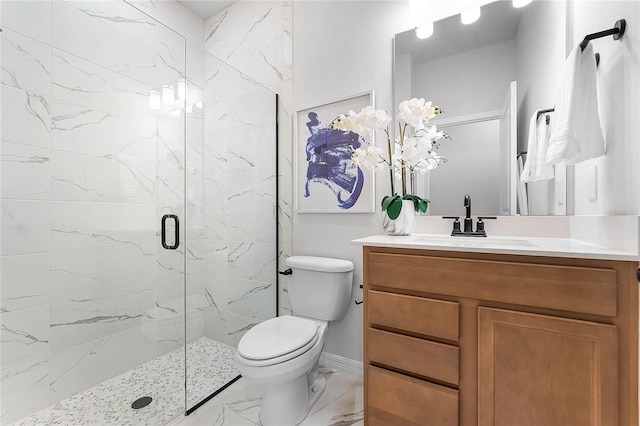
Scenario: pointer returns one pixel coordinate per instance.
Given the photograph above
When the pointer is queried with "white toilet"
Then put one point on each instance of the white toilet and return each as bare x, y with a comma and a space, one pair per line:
281, 354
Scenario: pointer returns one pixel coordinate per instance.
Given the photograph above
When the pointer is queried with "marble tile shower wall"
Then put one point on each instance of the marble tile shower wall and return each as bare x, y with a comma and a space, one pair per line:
87, 170
248, 39
239, 202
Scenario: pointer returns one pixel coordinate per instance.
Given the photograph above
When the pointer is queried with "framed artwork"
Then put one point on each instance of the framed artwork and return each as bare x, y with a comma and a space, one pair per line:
326, 180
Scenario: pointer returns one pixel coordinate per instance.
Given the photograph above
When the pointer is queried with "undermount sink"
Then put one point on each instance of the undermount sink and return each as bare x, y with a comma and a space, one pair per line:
474, 241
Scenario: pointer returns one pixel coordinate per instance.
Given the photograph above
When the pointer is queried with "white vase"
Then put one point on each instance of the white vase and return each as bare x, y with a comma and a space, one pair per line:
404, 224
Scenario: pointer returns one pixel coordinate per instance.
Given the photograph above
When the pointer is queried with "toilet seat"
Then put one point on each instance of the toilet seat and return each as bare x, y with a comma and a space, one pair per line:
277, 340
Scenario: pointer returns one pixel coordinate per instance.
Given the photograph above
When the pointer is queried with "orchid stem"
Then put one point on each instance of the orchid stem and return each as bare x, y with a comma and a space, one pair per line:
393, 192
403, 171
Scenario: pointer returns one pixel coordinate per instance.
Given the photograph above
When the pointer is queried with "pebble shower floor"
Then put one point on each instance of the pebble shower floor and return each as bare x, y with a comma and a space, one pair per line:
109, 403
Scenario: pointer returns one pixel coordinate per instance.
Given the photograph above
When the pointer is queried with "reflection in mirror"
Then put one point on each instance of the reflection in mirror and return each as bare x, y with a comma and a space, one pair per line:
466, 70
472, 164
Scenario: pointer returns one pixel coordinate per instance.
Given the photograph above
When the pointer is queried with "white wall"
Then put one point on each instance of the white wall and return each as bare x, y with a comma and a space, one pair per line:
341, 51
618, 173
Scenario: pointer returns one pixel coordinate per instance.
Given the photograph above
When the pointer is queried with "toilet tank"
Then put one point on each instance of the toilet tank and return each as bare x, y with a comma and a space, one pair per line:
319, 287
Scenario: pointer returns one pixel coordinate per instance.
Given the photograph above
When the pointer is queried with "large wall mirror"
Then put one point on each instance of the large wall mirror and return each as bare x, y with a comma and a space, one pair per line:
489, 77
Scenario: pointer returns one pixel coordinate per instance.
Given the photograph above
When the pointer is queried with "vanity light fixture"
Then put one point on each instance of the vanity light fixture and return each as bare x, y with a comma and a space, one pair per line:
424, 31
154, 99
470, 16
520, 3
182, 89
418, 10
168, 95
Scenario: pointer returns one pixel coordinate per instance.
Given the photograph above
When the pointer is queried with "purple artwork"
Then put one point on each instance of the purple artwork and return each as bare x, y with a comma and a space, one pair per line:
328, 154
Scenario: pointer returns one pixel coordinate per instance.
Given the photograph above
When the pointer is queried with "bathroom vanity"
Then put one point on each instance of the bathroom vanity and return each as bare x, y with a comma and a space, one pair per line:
498, 332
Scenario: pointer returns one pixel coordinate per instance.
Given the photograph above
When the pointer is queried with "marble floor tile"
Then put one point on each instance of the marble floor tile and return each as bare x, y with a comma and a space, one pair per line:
109, 403
239, 405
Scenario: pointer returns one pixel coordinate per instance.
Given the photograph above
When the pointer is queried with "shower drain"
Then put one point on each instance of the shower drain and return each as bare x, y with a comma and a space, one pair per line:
141, 402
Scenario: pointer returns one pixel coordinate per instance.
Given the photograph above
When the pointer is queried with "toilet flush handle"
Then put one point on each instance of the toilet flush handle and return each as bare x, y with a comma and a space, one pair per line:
360, 302
286, 272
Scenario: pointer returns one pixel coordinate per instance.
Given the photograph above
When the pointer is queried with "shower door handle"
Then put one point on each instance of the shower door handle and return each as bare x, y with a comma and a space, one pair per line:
164, 231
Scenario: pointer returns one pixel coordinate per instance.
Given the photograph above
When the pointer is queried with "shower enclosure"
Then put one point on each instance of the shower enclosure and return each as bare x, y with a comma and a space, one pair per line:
138, 196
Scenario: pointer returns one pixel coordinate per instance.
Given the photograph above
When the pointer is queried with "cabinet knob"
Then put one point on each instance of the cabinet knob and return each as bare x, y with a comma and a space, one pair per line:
638, 274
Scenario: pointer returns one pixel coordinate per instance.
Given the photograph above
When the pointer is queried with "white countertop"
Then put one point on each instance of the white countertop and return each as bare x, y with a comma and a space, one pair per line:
528, 246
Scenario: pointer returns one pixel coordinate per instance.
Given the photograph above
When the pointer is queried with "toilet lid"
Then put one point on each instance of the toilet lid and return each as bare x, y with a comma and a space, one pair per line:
276, 337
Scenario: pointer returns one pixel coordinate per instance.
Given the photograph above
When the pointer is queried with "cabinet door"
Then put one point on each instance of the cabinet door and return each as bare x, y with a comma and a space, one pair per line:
541, 370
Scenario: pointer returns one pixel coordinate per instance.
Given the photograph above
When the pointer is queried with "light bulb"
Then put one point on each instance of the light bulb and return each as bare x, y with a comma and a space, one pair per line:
470, 16
154, 99
168, 95
520, 3
189, 109
176, 113
199, 104
424, 31
418, 8
182, 89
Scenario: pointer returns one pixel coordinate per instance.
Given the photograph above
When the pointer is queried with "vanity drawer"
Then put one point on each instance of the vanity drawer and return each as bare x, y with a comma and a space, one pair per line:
429, 317
425, 358
566, 288
408, 401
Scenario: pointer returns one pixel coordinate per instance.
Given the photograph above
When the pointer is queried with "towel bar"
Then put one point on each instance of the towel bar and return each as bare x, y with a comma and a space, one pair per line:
544, 111
617, 32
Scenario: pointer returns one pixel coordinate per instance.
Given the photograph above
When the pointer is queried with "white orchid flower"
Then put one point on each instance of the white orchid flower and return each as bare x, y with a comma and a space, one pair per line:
429, 111
419, 140
340, 123
382, 120
377, 167
410, 112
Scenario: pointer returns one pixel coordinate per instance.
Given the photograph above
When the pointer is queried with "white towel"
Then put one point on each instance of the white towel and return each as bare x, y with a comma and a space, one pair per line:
535, 168
576, 134
523, 205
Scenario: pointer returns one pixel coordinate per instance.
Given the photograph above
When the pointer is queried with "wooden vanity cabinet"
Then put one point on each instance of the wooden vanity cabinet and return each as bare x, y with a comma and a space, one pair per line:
454, 338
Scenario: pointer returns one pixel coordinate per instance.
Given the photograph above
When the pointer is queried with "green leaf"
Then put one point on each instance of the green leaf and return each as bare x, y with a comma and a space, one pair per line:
386, 201
394, 207
419, 204
423, 205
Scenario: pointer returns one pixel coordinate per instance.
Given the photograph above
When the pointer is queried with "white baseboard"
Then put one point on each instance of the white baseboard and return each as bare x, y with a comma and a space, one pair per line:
341, 363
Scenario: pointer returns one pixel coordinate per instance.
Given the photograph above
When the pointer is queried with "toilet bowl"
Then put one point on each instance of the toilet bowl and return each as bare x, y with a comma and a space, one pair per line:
288, 374
281, 355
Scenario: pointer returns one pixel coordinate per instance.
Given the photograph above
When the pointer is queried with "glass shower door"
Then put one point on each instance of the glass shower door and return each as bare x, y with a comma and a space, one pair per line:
92, 157
231, 218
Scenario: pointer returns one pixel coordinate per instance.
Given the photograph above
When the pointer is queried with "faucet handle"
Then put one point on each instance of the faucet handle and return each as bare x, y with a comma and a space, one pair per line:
480, 224
456, 223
